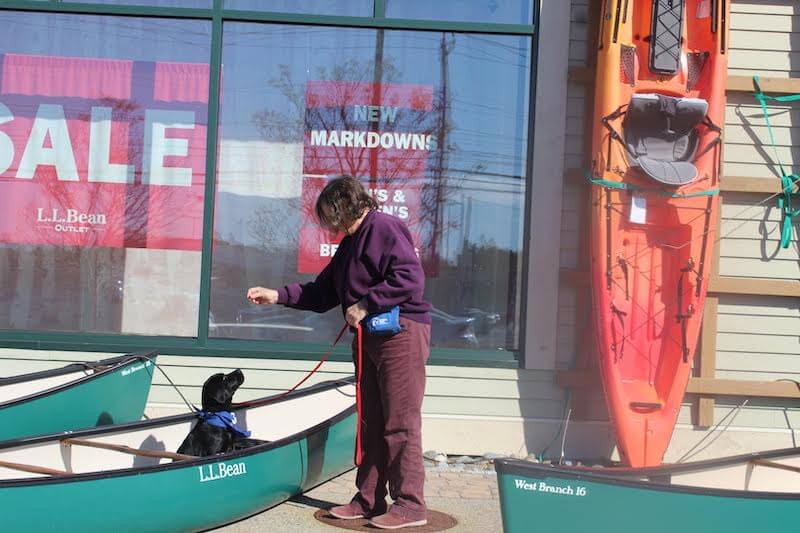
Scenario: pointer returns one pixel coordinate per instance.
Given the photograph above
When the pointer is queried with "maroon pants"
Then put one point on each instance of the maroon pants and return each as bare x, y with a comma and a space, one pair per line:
392, 387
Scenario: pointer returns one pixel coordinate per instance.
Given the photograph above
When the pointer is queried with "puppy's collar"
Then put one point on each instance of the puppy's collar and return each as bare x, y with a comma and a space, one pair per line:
223, 419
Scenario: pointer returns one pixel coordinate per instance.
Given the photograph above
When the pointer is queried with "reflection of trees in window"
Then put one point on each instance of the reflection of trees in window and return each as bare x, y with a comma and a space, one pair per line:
291, 123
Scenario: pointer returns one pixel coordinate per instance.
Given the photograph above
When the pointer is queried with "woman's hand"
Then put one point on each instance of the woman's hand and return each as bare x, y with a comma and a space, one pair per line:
356, 313
262, 296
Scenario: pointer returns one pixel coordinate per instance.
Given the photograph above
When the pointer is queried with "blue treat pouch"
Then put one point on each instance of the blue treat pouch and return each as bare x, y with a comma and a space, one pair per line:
383, 324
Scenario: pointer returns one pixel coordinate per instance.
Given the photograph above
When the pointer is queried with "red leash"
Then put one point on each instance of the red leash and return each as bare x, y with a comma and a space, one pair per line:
322, 360
359, 453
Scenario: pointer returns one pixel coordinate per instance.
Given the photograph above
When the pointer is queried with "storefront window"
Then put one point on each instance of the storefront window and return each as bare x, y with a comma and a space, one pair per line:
102, 169
434, 124
346, 8
487, 11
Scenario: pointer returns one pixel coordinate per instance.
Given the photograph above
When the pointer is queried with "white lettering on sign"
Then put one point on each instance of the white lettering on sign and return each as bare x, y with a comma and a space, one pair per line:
6, 144
397, 197
327, 250
157, 146
49, 123
373, 139
67, 224
220, 471
100, 169
49, 144
374, 113
541, 486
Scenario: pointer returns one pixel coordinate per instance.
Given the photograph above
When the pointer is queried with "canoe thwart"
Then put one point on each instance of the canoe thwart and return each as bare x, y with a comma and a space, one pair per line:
127, 449
773, 464
33, 469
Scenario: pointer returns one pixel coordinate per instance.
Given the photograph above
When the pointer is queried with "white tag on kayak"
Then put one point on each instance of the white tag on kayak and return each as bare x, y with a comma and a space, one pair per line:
704, 9
638, 209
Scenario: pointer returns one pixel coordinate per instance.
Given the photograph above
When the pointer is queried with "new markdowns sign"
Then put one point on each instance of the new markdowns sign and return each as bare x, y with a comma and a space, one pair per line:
379, 133
99, 152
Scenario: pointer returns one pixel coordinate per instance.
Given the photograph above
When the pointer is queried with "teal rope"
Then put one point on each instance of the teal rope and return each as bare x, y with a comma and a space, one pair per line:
788, 181
619, 185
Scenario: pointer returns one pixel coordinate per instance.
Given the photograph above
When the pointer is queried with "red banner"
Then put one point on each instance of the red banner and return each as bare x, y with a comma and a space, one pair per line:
100, 152
379, 133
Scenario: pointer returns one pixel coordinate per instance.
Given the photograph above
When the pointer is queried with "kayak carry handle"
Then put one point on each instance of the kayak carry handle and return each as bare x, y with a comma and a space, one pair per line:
650, 406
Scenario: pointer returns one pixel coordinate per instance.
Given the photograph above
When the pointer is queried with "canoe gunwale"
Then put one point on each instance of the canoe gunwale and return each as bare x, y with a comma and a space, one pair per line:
165, 421
627, 478
114, 364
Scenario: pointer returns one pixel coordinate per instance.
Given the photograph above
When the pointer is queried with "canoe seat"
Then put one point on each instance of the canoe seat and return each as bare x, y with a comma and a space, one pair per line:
33, 469
661, 136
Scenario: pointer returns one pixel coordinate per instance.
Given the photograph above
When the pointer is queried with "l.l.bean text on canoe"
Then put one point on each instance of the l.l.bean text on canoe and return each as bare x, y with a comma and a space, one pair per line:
221, 470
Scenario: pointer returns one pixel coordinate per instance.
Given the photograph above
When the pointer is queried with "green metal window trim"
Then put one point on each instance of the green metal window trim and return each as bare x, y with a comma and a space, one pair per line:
202, 345
219, 12
212, 133
218, 347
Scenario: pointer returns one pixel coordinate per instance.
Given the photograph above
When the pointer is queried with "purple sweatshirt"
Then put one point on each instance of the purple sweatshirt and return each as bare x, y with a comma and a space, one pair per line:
378, 264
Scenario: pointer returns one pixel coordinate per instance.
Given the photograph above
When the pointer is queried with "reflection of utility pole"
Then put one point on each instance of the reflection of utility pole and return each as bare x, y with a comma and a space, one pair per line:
467, 253
438, 167
376, 100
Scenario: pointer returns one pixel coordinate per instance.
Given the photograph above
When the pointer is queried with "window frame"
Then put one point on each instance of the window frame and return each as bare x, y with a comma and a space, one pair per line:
202, 345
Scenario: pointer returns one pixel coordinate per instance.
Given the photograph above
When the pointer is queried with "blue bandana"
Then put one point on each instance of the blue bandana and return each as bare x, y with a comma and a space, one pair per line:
222, 419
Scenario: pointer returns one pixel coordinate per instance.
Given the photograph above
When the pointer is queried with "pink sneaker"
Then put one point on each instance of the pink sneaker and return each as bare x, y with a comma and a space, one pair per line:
395, 521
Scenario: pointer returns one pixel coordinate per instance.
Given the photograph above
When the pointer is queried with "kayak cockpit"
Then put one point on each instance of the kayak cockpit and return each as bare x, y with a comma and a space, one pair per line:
661, 136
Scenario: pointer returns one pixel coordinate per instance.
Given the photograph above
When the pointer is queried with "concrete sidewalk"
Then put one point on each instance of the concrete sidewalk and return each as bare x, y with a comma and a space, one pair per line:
466, 492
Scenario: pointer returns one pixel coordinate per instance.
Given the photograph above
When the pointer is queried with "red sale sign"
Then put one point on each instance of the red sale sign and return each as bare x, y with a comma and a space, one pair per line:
100, 152
379, 133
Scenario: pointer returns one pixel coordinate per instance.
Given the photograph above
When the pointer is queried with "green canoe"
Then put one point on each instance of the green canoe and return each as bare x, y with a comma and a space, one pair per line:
124, 478
757, 492
76, 396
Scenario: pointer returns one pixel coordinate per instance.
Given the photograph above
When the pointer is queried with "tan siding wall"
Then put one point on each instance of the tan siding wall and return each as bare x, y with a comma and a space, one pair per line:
572, 206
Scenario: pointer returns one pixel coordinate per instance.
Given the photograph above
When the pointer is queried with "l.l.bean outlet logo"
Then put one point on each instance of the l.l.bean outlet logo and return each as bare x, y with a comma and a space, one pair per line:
541, 486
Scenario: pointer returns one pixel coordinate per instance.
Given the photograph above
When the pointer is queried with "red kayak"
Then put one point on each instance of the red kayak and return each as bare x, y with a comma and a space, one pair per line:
659, 109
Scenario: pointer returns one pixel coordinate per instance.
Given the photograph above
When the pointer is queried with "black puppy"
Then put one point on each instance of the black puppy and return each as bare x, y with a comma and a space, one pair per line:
217, 430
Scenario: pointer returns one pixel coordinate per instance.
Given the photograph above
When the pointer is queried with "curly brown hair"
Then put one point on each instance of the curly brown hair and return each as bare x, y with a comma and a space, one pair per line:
342, 202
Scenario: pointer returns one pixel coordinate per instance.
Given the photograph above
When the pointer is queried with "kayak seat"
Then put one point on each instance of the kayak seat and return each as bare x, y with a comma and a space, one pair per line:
661, 136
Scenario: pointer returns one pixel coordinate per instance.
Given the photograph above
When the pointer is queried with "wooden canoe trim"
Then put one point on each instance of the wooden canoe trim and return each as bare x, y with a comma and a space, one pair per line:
127, 449
773, 464
742, 84
33, 469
